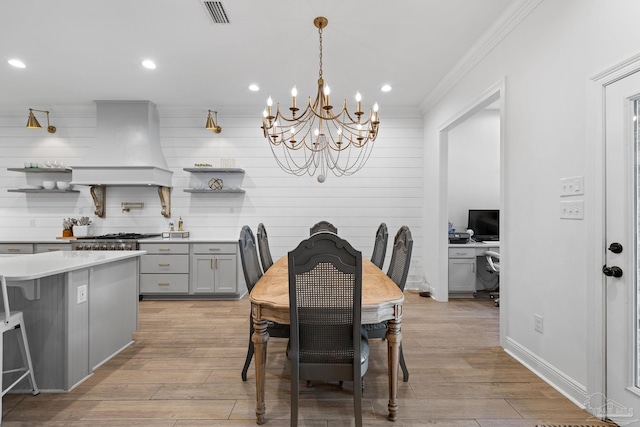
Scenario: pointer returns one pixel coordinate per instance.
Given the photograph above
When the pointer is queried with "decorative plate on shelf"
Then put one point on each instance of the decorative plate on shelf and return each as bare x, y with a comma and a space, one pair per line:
215, 184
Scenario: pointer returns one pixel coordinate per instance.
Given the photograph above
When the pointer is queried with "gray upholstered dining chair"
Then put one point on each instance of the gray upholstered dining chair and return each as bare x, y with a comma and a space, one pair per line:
252, 273
325, 305
263, 245
13, 321
380, 246
323, 226
398, 272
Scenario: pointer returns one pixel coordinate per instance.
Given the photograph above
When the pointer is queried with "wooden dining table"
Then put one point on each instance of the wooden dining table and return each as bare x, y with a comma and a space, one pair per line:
381, 301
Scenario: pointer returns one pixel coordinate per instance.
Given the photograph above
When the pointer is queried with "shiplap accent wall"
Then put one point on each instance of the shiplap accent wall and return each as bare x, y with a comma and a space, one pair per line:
389, 188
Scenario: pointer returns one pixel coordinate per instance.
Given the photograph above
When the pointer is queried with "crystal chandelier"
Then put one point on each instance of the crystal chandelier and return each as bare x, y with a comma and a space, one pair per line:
320, 139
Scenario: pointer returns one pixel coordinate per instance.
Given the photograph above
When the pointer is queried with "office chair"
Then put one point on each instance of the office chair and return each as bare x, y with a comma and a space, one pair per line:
398, 272
263, 245
380, 246
493, 265
325, 306
323, 226
14, 321
252, 273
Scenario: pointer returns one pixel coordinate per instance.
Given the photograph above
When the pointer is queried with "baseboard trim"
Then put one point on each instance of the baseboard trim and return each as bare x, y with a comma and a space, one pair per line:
565, 385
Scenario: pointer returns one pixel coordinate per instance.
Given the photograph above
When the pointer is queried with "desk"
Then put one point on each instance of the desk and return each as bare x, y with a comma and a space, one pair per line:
381, 300
463, 266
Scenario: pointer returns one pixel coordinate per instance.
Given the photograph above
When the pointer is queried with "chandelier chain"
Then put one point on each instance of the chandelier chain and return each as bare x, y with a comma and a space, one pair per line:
320, 33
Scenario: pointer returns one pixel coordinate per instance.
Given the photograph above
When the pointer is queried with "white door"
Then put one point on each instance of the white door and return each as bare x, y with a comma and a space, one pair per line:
622, 236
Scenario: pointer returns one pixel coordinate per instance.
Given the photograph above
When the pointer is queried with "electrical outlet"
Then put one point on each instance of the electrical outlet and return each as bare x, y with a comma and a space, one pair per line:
572, 209
82, 294
537, 323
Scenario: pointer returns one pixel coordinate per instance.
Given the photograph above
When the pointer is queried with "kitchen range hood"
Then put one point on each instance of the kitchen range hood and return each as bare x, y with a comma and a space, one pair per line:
127, 152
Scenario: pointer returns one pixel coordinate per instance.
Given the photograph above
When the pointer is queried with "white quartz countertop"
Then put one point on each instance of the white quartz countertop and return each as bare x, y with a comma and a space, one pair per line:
35, 266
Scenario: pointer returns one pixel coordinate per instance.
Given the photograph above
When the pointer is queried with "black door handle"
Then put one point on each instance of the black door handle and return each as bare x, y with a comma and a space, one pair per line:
615, 247
614, 271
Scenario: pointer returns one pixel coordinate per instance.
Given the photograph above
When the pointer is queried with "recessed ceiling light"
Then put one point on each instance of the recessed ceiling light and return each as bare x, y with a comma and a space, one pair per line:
16, 63
147, 63
254, 87
385, 88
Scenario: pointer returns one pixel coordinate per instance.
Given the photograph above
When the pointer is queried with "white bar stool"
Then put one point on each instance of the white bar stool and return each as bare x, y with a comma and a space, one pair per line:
11, 321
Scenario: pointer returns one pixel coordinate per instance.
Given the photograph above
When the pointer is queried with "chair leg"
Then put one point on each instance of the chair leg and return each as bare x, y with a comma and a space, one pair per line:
403, 365
247, 362
357, 403
26, 356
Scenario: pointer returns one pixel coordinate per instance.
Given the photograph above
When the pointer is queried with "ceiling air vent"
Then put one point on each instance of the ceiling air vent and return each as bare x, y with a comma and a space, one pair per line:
216, 12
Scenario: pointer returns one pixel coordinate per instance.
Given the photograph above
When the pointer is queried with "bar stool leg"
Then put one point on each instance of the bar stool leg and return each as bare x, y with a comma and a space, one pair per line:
26, 356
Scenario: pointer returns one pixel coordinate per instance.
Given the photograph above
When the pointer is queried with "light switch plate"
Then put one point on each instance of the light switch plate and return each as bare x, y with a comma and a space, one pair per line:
572, 209
573, 186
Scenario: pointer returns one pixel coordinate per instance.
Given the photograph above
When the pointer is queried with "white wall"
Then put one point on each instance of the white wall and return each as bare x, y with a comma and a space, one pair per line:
547, 61
388, 189
474, 166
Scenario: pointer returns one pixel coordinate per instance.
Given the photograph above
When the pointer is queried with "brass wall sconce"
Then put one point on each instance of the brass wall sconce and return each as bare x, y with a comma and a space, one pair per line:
211, 124
32, 122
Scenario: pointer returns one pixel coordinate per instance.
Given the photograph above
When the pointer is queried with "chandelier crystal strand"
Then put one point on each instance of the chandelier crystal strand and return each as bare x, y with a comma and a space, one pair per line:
319, 139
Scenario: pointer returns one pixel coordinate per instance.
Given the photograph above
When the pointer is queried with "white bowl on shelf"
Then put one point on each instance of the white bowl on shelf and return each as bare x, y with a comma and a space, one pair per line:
63, 185
49, 185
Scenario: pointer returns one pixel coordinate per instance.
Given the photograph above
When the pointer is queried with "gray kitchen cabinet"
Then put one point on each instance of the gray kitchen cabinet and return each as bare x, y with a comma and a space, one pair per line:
165, 269
462, 271
214, 269
52, 247
15, 248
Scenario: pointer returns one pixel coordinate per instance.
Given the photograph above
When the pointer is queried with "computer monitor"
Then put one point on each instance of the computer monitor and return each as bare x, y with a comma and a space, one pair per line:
485, 224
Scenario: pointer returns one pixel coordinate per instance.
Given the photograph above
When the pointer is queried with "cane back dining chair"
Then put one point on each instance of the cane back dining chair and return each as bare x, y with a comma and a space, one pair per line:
325, 306
323, 226
14, 321
263, 245
398, 272
252, 272
380, 246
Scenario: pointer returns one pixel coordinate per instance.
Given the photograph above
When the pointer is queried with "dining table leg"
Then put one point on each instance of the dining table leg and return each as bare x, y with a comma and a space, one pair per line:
394, 338
260, 338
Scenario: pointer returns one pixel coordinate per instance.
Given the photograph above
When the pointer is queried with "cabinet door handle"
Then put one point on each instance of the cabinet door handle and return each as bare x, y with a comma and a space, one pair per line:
216, 263
473, 267
163, 283
211, 263
166, 264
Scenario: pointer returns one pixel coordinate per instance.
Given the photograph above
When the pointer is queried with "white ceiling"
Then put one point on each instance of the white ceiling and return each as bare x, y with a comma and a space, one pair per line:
77, 51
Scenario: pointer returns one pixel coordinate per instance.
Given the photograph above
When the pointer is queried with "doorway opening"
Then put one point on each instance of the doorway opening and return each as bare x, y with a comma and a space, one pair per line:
491, 102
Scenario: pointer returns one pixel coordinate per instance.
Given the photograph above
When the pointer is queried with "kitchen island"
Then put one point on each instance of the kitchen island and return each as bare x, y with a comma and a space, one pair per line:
80, 309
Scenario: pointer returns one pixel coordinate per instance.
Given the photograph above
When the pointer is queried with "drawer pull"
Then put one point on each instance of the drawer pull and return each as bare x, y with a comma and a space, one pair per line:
164, 264
14, 250
52, 250
164, 284
214, 249
164, 249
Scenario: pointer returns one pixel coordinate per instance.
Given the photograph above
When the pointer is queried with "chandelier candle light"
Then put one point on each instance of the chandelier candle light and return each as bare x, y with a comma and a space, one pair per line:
319, 138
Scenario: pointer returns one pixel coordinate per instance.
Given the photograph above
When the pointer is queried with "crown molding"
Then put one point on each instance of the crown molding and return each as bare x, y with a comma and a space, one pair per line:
509, 19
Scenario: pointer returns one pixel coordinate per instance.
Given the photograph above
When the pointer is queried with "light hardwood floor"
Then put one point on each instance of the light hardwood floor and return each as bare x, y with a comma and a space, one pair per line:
184, 370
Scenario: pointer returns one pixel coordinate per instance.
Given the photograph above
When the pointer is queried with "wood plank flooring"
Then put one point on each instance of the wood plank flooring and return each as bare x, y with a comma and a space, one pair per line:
184, 370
